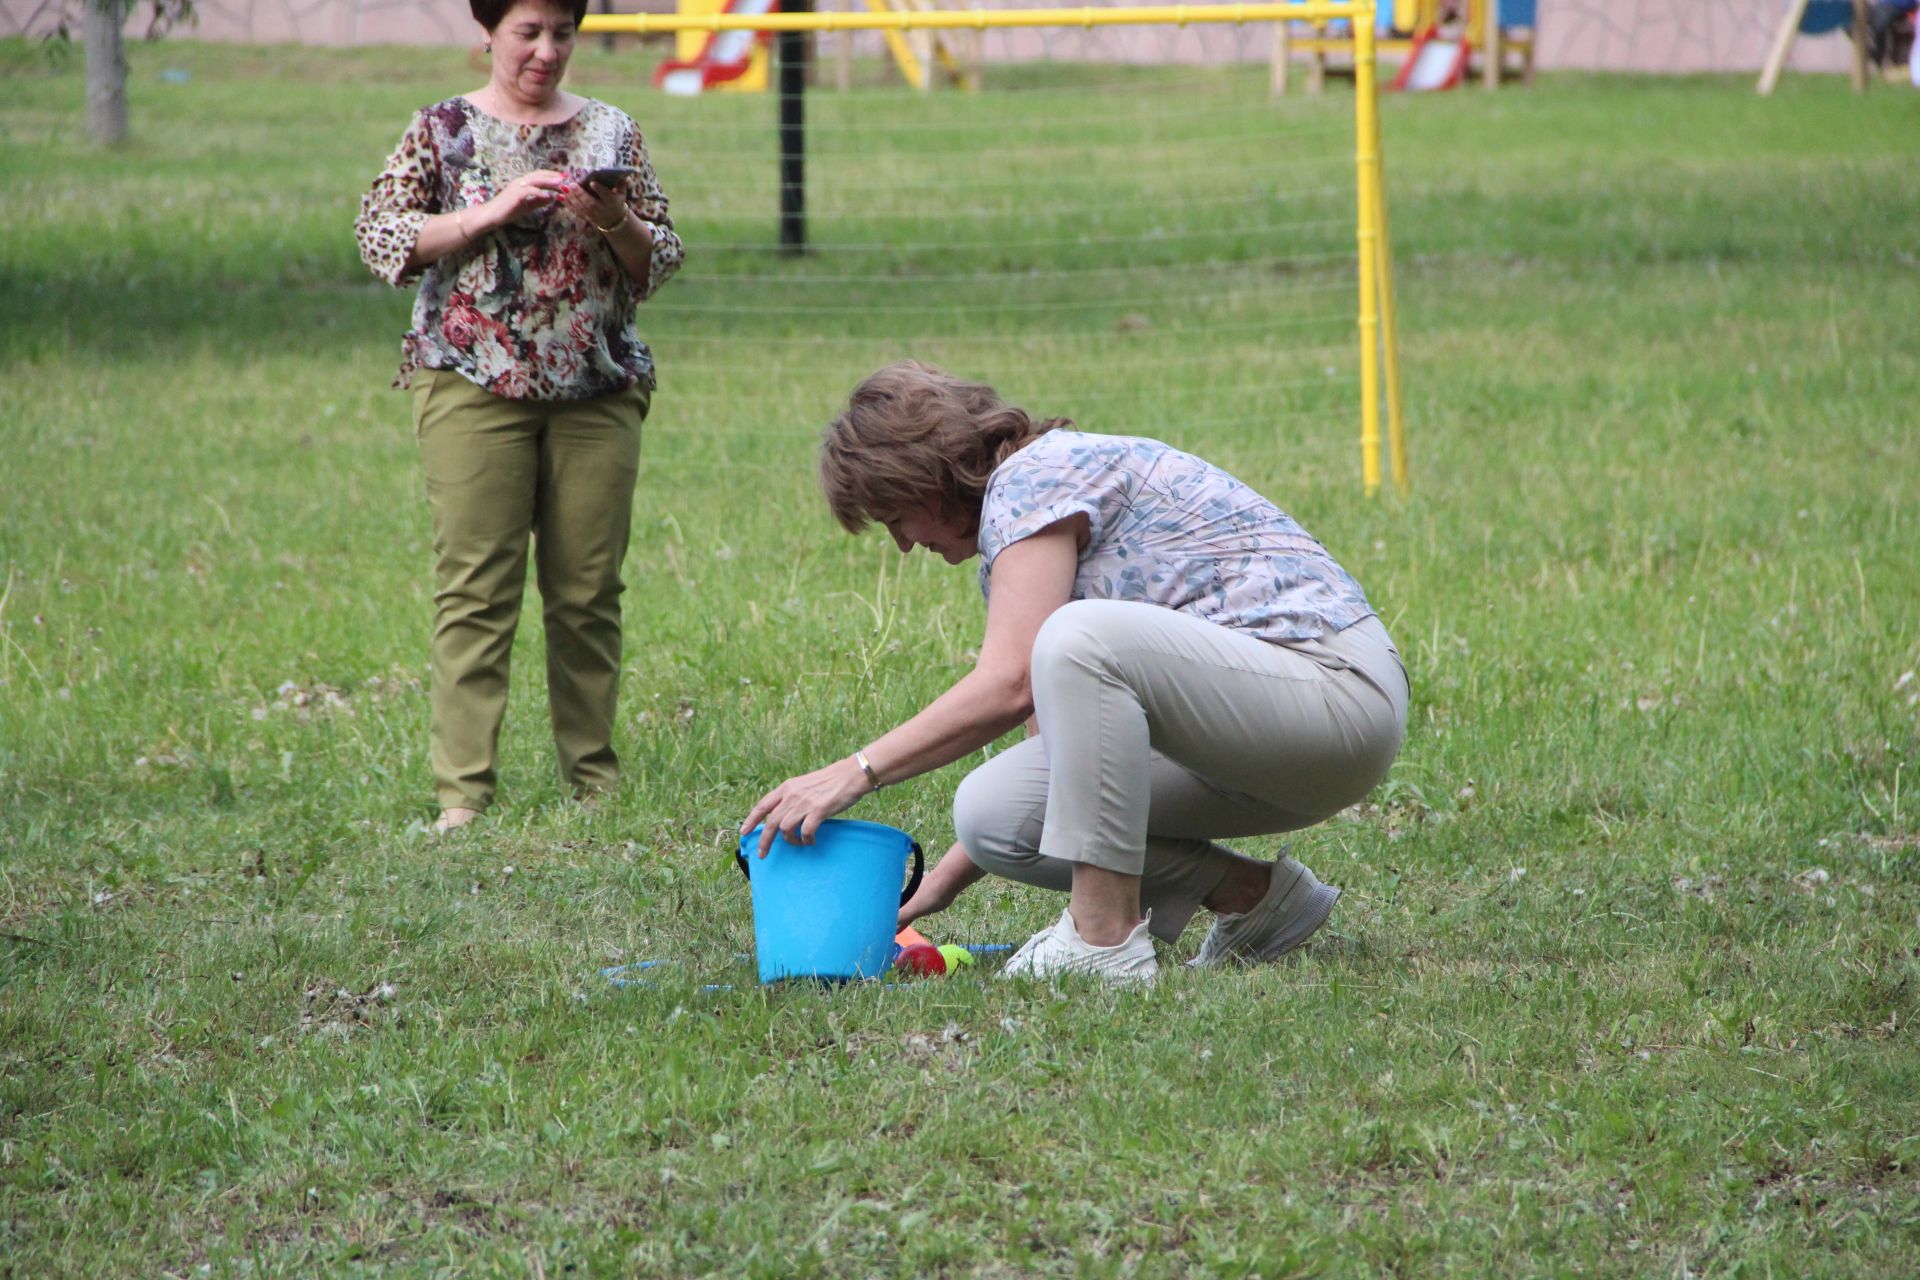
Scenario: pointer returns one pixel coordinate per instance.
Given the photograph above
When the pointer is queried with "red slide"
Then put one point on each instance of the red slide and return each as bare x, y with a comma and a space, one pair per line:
724, 56
1437, 62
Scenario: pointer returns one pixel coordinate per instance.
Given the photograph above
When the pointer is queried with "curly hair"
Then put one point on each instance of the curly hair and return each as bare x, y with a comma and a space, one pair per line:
913, 434
491, 13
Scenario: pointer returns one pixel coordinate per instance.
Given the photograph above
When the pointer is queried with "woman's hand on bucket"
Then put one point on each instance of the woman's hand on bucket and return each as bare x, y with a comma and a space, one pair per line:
798, 806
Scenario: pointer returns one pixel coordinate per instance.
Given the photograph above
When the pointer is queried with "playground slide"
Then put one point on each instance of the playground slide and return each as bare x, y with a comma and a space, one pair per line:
1437, 62
723, 57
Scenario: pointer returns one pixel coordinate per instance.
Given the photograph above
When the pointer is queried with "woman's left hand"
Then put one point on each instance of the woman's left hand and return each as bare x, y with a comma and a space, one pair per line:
798, 806
598, 205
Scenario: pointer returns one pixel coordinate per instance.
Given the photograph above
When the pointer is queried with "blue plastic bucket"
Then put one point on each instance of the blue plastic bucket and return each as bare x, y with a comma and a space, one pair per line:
827, 910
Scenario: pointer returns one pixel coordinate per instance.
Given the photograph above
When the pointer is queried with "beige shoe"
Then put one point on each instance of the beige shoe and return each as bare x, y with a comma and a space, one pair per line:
1060, 949
1295, 905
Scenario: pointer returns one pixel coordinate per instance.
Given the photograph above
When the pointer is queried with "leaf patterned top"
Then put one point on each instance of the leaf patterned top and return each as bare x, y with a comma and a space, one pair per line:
1170, 529
541, 309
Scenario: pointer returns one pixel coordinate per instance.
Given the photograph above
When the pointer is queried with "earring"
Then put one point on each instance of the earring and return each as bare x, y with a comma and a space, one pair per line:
486, 46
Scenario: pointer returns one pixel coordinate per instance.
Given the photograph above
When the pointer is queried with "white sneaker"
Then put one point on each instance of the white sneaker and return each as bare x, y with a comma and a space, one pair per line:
1060, 949
1295, 905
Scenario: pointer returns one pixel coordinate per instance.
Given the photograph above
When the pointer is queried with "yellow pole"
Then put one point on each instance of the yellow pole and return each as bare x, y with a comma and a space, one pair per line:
1389, 324
1366, 108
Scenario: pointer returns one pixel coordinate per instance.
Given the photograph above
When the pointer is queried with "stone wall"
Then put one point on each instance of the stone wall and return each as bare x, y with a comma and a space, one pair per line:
281, 21
1675, 36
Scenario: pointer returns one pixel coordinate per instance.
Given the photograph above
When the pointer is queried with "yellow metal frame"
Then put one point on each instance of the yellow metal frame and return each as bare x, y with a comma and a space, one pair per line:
918, 72
912, 69
1379, 342
1173, 15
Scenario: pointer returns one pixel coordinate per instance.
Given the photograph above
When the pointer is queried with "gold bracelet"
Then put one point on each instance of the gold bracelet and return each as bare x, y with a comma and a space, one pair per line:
461, 223
607, 231
860, 758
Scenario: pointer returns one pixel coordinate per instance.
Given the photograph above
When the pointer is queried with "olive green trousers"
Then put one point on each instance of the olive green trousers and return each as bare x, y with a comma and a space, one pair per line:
500, 472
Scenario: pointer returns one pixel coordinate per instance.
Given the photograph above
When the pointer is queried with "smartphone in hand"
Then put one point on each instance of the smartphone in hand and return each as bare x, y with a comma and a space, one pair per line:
610, 177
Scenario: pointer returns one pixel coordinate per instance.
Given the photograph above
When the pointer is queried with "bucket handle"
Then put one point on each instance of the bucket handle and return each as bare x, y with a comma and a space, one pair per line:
906, 894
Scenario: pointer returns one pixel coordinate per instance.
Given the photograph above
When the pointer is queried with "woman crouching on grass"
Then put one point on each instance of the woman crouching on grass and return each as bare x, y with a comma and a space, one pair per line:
1196, 666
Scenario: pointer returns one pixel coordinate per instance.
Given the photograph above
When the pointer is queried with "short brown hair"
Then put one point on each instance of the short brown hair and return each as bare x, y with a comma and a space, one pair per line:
912, 434
490, 13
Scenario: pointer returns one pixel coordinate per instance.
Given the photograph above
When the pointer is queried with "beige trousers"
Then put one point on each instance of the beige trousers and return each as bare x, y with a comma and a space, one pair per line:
1161, 732
501, 472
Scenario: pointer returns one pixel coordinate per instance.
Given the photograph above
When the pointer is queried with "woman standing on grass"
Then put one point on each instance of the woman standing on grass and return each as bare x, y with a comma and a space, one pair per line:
529, 382
1195, 665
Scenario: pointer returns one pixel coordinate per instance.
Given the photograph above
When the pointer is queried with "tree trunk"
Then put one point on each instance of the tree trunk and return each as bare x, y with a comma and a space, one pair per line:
106, 72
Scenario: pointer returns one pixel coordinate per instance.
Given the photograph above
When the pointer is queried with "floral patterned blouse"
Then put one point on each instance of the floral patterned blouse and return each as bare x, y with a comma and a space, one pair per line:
538, 310
1172, 530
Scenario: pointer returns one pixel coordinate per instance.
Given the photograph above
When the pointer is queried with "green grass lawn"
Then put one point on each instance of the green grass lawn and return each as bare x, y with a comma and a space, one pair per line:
1624, 982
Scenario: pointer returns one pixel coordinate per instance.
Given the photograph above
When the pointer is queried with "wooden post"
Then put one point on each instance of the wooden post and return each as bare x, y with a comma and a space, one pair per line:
1857, 29
1782, 45
1282, 54
1490, 54
920, 40
843, 59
